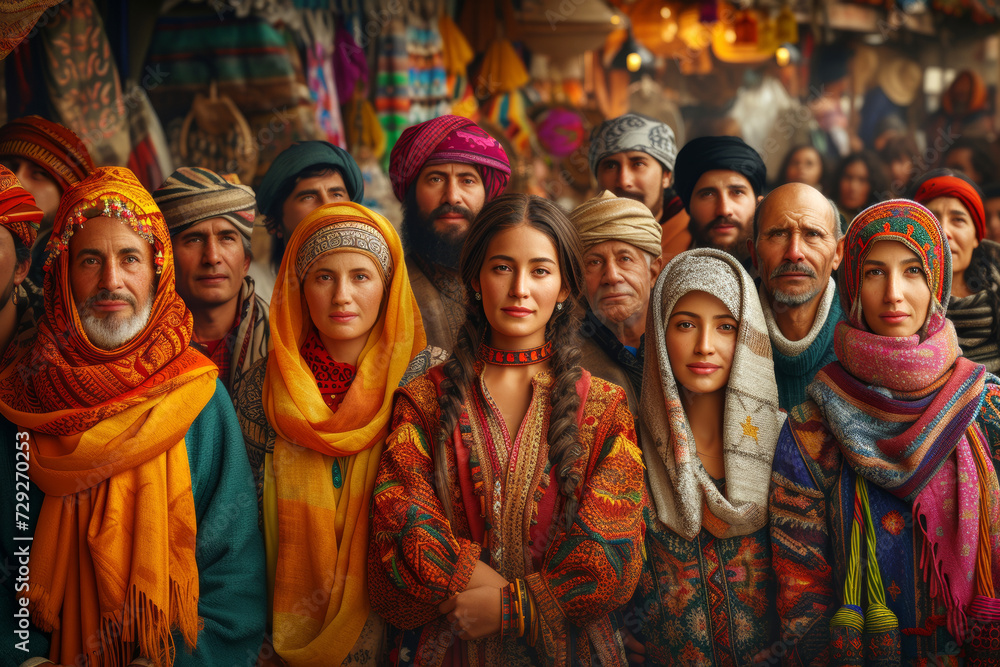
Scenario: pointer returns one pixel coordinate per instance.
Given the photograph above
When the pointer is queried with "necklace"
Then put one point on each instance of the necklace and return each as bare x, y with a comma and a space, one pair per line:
492, 355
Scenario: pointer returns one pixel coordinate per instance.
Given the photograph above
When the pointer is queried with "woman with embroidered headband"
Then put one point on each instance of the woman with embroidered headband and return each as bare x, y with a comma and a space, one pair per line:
315, 414
957, 202
506, 520
710, 421
885, 507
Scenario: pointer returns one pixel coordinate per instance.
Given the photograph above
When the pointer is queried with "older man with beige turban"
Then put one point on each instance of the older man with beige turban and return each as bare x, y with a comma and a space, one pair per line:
621, 260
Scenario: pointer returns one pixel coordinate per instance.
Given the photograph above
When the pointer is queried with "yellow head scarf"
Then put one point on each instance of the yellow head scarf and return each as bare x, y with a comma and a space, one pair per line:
320, 547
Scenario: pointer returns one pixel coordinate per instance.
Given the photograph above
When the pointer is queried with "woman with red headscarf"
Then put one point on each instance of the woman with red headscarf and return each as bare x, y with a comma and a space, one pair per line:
957, 203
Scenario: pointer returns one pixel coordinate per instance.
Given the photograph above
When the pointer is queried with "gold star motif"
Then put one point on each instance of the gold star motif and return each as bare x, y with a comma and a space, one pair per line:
749, 429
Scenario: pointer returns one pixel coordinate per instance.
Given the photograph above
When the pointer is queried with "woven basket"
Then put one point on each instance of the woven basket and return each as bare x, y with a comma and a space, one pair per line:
216, 136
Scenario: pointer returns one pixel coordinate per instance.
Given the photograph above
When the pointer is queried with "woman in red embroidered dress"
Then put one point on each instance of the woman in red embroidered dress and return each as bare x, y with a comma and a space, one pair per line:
507, 509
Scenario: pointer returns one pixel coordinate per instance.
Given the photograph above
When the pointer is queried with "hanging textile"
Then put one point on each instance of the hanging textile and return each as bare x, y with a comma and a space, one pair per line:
82, 81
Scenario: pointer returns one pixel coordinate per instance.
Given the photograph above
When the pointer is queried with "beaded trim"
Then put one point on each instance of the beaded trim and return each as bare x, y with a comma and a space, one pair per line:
345, 235
535, 355
114, 207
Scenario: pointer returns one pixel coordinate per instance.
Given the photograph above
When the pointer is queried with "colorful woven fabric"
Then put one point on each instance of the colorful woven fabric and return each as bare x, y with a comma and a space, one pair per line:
708, 153
392, 79
108, 450
193, 194
51, 146
612, 218
18, 213
965, 192
908, 223
684, 496
505, 503
705, 601
318, 533
83, 82
633, 132
280, 178
812, 505
19, 17
428, 80
448, 139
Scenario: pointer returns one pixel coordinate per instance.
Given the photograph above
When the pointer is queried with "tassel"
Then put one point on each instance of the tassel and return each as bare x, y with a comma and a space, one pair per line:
881, 638
846, 628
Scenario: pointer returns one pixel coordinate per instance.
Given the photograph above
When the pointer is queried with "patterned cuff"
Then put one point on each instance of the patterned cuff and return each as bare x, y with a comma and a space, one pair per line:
468, 556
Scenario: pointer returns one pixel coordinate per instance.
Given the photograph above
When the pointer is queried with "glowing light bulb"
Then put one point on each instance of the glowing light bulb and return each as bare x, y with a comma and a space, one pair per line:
730, 36
665, 12
633, 62
783, 56
615, 19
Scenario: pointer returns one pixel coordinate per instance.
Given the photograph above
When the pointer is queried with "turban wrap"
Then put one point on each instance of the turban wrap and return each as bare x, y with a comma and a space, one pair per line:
193, 194
279, 181
941, 184
51, 146
711, 153
611, 218
633, 132
448, 139
18, 213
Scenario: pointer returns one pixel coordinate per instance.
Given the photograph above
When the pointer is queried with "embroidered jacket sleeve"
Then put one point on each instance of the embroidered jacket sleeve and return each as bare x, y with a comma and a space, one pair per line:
592, 568
805, 466
417, 559
989, 420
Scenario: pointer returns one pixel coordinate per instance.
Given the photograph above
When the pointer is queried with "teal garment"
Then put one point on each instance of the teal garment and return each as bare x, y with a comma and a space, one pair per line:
229, 550
794, 374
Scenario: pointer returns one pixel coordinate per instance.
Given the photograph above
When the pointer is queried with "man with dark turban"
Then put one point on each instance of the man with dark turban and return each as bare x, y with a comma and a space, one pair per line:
302, 178
47, 159
19, 218
130, 465
210, 222
443, 171
621, 260
720, 180
633, 156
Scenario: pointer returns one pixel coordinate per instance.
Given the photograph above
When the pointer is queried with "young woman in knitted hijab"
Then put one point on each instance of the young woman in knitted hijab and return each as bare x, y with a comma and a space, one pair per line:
507, 508
885, 507
710, 422
957, 202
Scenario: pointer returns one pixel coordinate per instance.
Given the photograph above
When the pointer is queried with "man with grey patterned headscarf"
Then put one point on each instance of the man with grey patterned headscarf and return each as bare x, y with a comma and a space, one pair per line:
633, 156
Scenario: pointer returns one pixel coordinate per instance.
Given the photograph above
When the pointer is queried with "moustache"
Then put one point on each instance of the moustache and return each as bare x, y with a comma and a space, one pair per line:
792, 267
445, 209
723, 220
108, 295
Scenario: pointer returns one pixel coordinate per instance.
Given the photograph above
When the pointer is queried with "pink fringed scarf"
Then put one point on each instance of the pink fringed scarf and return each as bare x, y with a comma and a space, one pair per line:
918, 445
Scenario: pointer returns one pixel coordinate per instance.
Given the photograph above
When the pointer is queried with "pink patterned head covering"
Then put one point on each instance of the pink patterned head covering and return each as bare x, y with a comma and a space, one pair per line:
448, 139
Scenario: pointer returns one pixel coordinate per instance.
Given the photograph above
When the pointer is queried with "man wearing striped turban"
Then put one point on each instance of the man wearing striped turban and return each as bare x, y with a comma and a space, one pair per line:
47, 159
443, 171
210, 222
621, 260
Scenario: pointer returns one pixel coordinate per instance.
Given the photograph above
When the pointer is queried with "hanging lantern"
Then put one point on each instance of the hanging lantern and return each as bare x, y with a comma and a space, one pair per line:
787, 26
745, 28
654, 24
708, 12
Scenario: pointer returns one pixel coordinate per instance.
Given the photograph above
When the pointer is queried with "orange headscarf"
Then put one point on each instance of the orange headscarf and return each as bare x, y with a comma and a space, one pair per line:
113, 560
18, 212
322, 531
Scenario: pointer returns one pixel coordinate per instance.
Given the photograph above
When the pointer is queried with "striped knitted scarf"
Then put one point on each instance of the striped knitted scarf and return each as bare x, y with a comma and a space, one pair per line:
912, 442
976, 319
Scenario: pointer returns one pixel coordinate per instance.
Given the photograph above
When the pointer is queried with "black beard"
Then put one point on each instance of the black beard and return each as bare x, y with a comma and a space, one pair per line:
420, 238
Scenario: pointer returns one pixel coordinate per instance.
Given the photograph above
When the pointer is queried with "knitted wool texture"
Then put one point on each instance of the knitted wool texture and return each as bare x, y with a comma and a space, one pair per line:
684, 495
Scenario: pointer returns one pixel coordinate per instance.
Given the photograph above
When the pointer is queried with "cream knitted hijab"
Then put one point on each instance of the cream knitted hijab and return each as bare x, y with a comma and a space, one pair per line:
684, 496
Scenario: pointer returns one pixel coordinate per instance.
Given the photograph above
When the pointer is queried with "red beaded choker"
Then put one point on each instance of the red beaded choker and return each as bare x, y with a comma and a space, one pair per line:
492, 355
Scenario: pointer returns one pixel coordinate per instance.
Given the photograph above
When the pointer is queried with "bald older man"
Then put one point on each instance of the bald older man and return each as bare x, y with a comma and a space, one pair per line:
621, 260
796, 247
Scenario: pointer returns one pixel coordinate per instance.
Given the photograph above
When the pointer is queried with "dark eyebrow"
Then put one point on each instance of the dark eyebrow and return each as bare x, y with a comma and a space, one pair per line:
684, 312
505, 258
911, 260
308, 191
